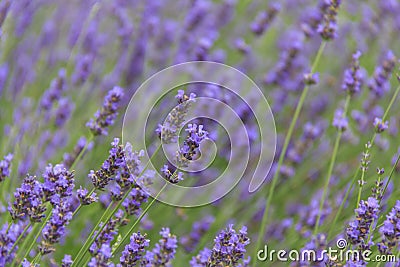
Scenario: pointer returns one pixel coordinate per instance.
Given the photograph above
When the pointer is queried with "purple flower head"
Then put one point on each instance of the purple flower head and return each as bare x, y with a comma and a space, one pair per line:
58, 181
66, 261
340, 121
199, 229
264, 19
134, 251
358, 230
63, 112
106, 116
133, 203
5, 167
328, 26
53, 94
380, 125
311, 79
379, 84
8, 236
196, 134
164, 251
353, 76
168, 132
29, 201
229, 248
55, 228
85, 198
390, 231
110, 166
102, 258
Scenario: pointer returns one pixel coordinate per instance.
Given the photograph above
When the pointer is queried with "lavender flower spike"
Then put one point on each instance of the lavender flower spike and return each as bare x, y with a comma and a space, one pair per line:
107, 114
390, 231
134, 251
353, 77
329, 9
168, 132
164, 251
115, 160
55, 228
380, 125
5, 167
229, 249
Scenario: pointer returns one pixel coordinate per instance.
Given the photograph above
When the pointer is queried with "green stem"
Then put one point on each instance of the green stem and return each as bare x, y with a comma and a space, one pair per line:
132, 229
283, 153
357, 172
331, 166
88, 242
37, 236
36, 258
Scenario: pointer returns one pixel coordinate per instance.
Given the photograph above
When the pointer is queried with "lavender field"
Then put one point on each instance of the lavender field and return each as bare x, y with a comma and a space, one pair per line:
199, 133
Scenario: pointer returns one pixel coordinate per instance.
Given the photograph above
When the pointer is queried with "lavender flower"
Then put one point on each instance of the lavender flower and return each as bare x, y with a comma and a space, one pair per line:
264, 19
106, 235
53, 94
353, 77
168, 132
196, 134
28, 201
135, 200
134, 251
5, 167
340, 121
199, 229
102, 177
328, 27
7, 241
229, 249
66, 261
379, 84
58, 182
107, 114
102, 258
26, 263
390, 231
54, 229
85, 198
358, 230
380, 125
164, 251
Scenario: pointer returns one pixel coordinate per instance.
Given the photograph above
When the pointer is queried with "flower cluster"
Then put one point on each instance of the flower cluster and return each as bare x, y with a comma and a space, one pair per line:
29, 201
108, 113
55, 229
189, 242
229, 249
353, 76
390, 231
5, 167
58, 183
164, 251
328, 28
359, 230
168, 131
135, 250
102, 177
